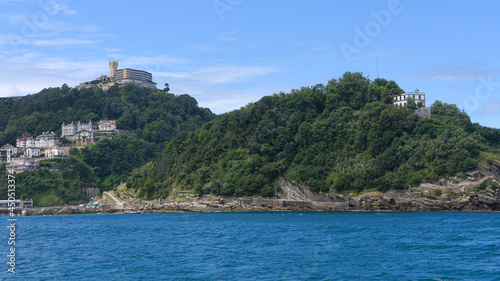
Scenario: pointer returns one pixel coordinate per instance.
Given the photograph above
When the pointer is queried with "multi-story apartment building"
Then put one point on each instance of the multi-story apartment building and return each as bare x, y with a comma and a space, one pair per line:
22, 164
7, 152
44, 140
133, 76
32, 152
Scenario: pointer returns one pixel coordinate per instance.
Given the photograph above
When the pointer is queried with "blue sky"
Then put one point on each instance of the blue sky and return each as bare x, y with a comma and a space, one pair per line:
227, 53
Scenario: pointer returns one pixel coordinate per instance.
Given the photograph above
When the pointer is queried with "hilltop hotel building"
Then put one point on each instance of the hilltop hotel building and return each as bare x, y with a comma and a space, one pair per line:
133, 76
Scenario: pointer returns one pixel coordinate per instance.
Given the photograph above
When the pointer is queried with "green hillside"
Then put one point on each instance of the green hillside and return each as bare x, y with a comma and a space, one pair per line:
342, 137
155, 117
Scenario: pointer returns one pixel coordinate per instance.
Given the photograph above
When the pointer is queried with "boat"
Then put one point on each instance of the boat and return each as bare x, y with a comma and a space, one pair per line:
132, 212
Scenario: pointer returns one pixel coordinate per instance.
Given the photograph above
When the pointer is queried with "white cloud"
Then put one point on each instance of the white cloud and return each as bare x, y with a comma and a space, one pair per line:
151, 63
222, 74
457, 72
31, 72
228, 37
61, 42
217, 98
203, 48
6, 2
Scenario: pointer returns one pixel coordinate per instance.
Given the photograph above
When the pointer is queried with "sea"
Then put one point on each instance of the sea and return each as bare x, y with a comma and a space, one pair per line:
256, 246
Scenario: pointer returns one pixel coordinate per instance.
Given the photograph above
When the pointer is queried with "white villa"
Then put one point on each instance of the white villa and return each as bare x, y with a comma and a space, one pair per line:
70, 130
107, 126
85, 137
54, 152
418, 97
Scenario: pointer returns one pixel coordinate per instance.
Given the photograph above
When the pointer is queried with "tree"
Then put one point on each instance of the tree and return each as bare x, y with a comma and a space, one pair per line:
167, 88
411, 104
352, 89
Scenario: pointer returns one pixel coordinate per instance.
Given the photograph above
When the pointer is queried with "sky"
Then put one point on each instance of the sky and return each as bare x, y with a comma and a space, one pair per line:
228, 53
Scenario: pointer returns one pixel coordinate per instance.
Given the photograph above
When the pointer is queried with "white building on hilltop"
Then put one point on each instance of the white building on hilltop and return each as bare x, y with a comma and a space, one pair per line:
419, 99
403, 99
130, 76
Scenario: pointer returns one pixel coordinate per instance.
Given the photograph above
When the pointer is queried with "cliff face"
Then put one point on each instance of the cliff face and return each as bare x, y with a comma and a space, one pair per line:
478, 192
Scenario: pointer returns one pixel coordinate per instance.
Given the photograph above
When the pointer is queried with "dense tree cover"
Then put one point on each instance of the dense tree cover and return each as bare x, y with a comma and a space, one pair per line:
155, 116
104, 165
343, 137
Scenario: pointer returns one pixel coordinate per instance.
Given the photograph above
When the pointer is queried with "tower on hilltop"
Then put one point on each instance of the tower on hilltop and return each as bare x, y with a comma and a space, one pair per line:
113, 66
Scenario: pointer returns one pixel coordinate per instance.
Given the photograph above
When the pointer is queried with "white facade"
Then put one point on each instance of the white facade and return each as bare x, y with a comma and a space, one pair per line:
86, 126
23, 164
32, 142
7, 152
68, 129
48, 139
21, 142
418, 97
107, 125
32, 152
402, 100
54, 151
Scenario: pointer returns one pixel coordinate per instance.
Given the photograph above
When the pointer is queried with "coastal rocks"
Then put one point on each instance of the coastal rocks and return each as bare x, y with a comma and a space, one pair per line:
293, 191
445, 195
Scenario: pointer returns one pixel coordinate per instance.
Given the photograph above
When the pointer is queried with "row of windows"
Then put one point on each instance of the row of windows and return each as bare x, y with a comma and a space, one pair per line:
415, 97
133, 74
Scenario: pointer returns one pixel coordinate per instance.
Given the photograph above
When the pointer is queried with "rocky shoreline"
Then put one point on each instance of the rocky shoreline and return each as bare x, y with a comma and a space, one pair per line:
480, 191
483, 201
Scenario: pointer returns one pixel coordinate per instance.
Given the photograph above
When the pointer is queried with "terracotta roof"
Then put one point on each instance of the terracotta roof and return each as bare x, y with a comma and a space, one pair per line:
112, 121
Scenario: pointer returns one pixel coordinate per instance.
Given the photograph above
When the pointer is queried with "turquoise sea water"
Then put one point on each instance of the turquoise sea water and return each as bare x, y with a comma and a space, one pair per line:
258, 246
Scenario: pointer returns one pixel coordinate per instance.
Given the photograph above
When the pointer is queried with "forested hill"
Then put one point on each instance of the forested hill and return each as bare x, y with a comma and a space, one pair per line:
345, 136
155, 116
